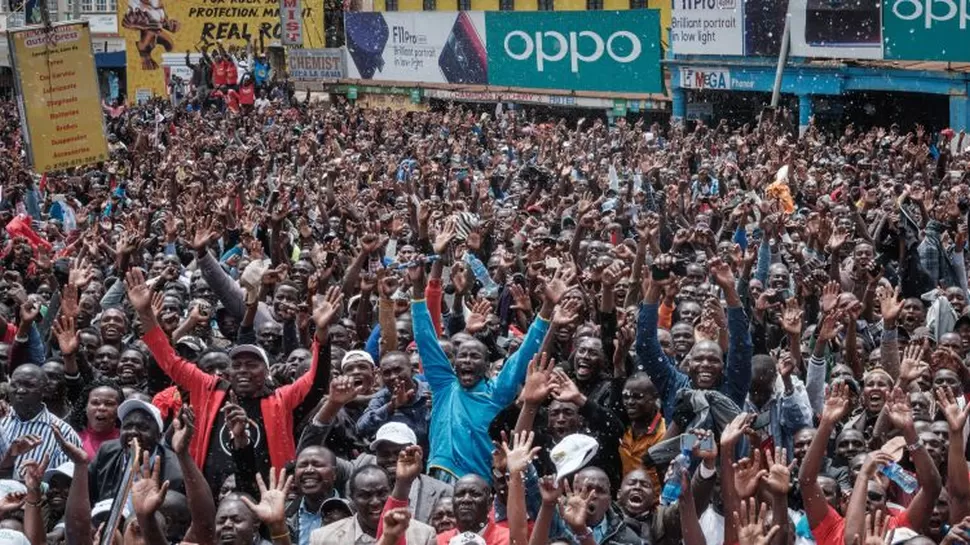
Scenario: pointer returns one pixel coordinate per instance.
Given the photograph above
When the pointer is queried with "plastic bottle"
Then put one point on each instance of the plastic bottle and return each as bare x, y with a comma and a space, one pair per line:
671, 491
481, 274
904, 479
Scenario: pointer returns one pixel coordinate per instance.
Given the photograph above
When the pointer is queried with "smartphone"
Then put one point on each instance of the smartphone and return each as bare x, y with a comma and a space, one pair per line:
688, 441
463, 58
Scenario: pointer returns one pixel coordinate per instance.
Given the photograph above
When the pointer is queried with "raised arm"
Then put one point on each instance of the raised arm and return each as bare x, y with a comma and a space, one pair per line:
437, 368
650, 356
957, 478
836, 406
201, 504
740, 348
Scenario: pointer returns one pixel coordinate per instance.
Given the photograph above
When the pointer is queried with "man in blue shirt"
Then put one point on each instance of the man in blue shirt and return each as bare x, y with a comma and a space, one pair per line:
465, 401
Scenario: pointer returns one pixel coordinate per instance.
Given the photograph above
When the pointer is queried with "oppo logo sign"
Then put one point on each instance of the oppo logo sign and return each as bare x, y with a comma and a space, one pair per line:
622, 46
933, 11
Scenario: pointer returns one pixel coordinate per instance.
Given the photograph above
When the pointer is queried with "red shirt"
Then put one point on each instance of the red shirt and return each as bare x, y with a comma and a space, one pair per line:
232, 75
493, 534
219, 74
830, 531
247, 95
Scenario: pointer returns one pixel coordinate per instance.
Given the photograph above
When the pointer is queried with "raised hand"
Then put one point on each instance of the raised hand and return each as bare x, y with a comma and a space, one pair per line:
722, 273
566, 312
29, 312
877, 530
147, 493
343, 391
271, 509
566, 390
748, 474
898, 409
573, 508
520, 299
735, 430
955, 416
237, 421
32, 472
63, 329
409, 463
24, 444
830, 296
750, 522
327, 309
912, 366
396, 522
550, 490
477, 320
831, 327
778, 479
539, 380
791, 317
521, 453
138, 292
74, 453
560, 284
402, 396
890, 304
838, 401
183, 428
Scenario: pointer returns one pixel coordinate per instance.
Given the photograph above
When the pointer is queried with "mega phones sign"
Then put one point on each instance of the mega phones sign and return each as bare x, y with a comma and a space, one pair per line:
585, 51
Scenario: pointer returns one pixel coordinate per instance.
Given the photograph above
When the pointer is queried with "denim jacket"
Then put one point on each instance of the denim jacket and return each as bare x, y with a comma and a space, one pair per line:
668, 379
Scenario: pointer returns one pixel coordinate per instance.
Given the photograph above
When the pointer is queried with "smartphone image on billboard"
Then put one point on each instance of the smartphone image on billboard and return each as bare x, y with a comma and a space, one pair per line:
843, 22
463, 58
366, 37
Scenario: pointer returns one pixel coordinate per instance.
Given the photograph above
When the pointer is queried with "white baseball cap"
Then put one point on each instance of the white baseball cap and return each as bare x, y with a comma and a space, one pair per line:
395, 433
573, 453
356, 355
66, 469
130, 405
250, 349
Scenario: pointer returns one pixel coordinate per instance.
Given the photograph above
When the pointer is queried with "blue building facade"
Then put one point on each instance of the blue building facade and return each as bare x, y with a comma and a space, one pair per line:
814, 82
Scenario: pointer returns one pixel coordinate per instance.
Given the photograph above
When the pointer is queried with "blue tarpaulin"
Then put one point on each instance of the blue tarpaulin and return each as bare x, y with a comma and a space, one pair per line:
115, 59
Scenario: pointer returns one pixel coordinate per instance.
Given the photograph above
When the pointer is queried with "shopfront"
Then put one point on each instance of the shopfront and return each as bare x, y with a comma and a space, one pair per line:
833, 91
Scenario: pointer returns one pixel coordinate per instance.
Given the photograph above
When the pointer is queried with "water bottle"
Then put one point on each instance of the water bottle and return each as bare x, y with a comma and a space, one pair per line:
671, 491
481, 274
904, 479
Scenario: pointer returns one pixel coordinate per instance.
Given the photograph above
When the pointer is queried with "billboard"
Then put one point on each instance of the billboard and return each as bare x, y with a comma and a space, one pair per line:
154, 31
291, 26
700, 28
931, 30
915, 30
315, 64
846, 29
584, 51
57, 87
432, 47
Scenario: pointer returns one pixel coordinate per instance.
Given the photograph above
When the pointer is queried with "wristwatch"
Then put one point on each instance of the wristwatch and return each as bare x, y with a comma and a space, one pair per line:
916, 446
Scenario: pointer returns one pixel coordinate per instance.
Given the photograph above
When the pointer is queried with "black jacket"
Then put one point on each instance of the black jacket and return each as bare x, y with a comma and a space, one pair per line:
108, 469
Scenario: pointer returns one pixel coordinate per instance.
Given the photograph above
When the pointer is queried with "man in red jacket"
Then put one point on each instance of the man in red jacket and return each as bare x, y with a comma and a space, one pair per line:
271, 413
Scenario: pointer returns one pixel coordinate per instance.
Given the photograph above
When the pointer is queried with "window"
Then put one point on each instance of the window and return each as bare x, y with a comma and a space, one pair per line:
464, 5
101, 6
594, 5
547, 5
506, 5
429, 5
638, 4
87, 6
390, 5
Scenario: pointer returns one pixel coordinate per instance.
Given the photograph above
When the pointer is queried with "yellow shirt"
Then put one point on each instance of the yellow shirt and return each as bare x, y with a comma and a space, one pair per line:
633, 449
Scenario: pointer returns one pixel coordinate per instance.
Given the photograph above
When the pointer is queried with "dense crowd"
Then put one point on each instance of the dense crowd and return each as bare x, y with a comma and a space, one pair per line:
315, 324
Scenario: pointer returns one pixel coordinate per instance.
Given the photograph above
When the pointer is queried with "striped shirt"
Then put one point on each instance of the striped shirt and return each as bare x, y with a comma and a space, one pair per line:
12, 427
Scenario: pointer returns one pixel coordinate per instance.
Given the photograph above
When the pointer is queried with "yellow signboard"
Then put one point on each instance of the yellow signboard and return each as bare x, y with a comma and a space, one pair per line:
158, 33
401, 103
60, 105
